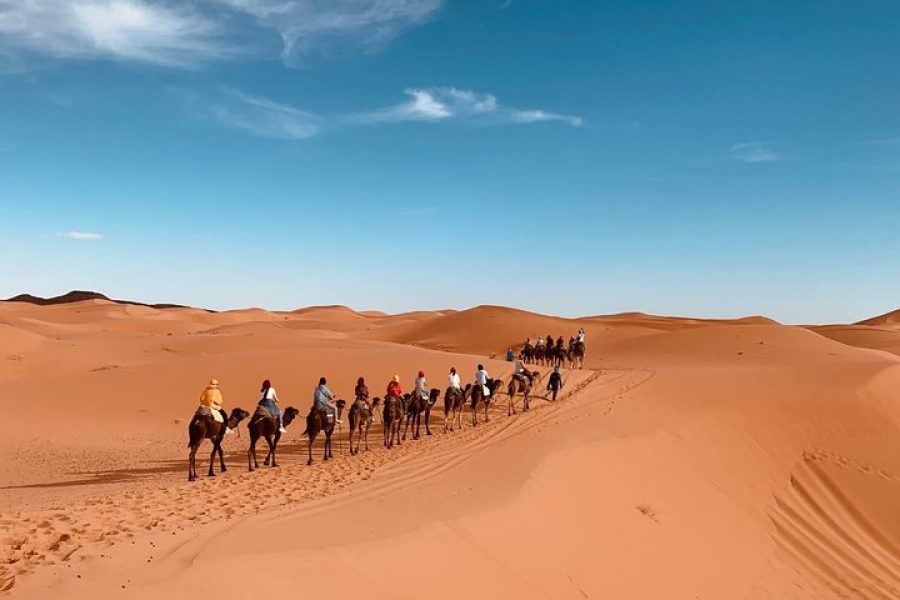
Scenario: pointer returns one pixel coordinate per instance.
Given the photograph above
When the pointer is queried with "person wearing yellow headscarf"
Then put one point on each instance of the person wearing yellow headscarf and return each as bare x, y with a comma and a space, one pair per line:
212, 399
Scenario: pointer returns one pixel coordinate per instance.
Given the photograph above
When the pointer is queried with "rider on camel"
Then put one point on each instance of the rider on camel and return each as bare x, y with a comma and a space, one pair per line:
421, 388
270, 400
323, 400
483, 378
521, 373
212, 399
393, 388
453, 380
362, 393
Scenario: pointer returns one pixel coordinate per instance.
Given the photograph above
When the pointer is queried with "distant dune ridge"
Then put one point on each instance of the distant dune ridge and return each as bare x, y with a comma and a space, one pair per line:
81, 296
709, 458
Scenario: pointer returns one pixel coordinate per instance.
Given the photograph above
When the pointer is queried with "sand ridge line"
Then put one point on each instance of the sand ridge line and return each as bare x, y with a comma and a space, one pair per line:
824, 532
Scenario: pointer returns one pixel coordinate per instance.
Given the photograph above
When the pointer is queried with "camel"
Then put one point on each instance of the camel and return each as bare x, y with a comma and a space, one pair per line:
576, 355
539, 355
528, 353
206, 428
559, 356
414, 408
517, 384
265, 425
361, 417
454, 400
477, 397
392, 419
317, 421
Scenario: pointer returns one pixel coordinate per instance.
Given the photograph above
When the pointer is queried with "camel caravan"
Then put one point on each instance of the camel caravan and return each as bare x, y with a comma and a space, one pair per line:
401, 413
546, 353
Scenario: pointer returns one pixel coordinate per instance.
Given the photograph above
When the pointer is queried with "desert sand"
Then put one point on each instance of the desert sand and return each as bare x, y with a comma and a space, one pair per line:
690, 459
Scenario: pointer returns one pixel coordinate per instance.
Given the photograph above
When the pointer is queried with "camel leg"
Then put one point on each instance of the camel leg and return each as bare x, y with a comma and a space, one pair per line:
192, 462
327, 446
212, 459
427, 419
405, 427
350, 436
251, 452
222, 466
269, 456
366, 438
309, 447
273, 443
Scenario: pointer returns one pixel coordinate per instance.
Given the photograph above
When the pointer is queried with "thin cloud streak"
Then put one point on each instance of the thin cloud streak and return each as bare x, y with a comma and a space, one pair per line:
753, 152
268, 118
447, 103
83, 236
259, 116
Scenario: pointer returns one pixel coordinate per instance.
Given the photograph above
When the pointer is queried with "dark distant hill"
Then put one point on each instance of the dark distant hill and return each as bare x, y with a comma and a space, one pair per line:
81, 296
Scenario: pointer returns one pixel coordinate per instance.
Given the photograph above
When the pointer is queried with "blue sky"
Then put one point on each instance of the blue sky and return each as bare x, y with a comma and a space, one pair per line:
701, 158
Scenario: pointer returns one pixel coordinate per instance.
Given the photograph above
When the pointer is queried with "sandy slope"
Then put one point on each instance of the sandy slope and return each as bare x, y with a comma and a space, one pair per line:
696, 459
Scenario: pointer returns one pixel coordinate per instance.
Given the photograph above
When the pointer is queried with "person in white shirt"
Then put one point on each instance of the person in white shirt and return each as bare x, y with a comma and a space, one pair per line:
580, 337
453, 380
540, 342
483, 378
270, 400
521, 372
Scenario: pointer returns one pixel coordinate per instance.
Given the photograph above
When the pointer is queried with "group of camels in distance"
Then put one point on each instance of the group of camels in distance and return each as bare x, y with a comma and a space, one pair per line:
548, 353
399, 414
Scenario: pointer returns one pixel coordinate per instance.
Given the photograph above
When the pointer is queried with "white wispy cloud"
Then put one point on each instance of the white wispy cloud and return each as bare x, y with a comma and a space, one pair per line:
83, 235
445, 103
177, 33
257, 115
137, 30
754, 152
265, 117
326, 26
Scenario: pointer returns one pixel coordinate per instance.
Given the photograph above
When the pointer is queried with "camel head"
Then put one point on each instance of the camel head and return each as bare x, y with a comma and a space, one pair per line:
237, 415
290, 413
434, 395
375, 402
341, 403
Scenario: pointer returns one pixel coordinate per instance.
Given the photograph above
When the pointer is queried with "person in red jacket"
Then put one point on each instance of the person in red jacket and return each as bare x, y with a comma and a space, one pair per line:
393, 389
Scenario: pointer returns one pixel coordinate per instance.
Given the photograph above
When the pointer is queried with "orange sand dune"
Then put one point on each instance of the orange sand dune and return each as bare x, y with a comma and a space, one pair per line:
693, 459
876, 337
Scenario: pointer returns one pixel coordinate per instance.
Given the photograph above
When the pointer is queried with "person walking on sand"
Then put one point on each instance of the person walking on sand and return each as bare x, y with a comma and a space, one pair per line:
323, 400
453, 379
393, 388
211, 398
510, 355
270, 400
555, 384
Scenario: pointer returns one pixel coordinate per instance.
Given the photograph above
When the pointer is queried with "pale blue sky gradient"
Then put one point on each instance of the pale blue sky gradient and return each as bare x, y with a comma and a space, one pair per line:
700, 158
